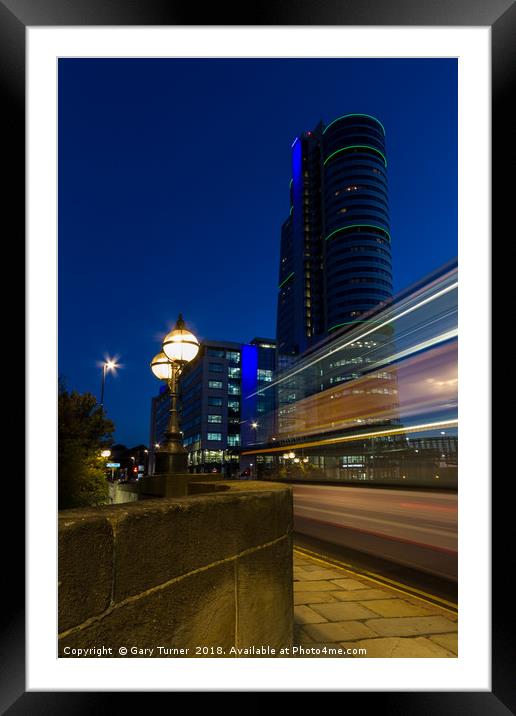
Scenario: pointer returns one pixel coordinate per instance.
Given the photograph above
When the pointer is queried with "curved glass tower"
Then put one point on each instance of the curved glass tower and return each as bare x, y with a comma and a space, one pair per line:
335, 262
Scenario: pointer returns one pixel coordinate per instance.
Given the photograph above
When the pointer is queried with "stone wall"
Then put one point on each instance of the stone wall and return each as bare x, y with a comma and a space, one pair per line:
209, 570
119, 493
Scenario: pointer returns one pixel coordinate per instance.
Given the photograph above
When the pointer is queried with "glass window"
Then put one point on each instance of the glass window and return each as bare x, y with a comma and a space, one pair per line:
264, 375
215, 384
233, 356
214, 436
233, 372
233, 440
216, 352
234, 404
215, 402
191, 440
215, 367
233, 388
214, 418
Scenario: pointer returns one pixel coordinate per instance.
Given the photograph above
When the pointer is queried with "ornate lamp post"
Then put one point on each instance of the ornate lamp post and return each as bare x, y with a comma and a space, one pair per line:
179, 348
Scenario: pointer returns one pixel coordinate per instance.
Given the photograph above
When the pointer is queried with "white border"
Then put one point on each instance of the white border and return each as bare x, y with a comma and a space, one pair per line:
471, 670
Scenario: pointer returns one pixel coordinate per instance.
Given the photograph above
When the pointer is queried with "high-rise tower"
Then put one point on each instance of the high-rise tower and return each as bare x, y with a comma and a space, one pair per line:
335, 260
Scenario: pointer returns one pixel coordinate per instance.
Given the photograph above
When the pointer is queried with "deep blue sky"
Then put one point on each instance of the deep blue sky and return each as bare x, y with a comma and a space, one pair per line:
174, 182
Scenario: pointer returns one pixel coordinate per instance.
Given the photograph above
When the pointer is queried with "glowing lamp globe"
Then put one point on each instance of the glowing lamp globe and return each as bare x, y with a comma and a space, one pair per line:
161, 367
180, 345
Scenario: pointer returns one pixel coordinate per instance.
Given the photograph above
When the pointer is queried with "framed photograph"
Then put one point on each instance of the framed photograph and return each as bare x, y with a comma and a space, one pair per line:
320, 176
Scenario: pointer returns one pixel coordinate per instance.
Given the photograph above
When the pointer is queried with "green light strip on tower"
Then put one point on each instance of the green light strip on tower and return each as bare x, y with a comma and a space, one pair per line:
285, 280
350, 323
356, 146
358, 226
355, 115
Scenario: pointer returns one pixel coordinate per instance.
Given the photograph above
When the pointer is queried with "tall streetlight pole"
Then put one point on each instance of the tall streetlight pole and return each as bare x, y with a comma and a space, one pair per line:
107, 365
179, 348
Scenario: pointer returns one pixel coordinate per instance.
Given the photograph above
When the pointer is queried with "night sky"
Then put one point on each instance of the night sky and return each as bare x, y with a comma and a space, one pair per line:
174, 182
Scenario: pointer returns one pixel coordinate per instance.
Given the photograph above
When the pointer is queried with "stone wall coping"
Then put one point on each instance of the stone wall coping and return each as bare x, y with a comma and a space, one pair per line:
228, 491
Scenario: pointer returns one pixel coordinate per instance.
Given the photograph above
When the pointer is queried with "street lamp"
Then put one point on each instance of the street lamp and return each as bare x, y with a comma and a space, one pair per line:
107, 366
179, 348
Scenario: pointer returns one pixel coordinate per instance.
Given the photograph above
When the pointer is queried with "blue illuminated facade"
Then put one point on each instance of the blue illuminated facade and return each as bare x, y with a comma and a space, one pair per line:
258, 366
335, 258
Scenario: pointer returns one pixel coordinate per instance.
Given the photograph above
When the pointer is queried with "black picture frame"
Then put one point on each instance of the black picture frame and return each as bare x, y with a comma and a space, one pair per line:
15, 17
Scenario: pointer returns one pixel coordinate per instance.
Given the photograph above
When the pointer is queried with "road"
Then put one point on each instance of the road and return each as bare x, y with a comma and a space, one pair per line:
406, 532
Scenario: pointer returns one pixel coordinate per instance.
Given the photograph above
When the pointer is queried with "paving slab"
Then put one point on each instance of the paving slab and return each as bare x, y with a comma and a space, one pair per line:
396, 608
348, 584
432, 608
306, 615
398, 648
300, 637
312, 597
318, 574
330, 632
355, 595
315, 586
343, 610
313, 567
335, 607
411, 626
448, 641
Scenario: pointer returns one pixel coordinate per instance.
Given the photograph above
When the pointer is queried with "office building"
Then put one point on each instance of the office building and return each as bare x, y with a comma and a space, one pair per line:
335, 258
221, 404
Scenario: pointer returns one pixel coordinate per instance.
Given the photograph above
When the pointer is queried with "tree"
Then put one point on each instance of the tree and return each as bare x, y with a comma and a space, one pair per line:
83, 432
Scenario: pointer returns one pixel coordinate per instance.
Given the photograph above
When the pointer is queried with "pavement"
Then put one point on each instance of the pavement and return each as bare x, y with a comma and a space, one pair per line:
335, 608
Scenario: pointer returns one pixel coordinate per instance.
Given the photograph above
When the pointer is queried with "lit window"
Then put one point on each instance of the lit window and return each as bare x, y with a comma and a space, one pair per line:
264, 375
214, 436
233, 388
214, 418
215, 384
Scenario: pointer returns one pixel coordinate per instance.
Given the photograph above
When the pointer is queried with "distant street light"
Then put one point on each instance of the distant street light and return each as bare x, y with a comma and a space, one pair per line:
106, 453
107, 366
179, 348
